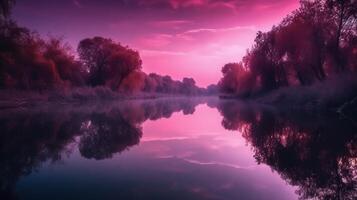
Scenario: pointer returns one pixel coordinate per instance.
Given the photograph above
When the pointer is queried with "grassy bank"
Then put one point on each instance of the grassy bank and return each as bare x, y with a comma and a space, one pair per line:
336, 93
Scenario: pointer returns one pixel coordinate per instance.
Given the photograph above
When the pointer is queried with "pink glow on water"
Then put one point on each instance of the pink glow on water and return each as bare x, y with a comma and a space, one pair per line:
200, 140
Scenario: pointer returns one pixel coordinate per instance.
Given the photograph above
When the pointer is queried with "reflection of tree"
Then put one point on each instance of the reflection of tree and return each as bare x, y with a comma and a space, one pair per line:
105, 134
316, 153
115, 131
29, 138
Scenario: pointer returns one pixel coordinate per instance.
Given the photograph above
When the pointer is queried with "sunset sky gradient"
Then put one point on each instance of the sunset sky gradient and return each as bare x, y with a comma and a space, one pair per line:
180, 38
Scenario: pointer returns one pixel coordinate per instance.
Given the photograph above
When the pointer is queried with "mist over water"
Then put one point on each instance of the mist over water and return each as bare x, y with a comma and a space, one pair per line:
176, 148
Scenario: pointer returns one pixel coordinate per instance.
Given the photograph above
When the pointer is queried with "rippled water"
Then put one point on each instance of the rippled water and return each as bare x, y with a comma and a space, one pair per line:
176, 149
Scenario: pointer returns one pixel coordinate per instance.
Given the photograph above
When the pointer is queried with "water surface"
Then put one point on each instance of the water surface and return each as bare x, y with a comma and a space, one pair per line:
176, 149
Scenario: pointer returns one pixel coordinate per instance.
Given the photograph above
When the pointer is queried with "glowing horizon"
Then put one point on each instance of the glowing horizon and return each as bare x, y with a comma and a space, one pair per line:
187, 38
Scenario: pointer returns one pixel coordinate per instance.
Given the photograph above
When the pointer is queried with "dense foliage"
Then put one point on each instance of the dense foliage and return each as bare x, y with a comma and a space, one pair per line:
312, 44
29, 62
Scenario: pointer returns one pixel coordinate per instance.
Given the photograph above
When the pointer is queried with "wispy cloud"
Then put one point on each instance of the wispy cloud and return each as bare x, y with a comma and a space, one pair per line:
191, 35
219, 164
147, 52
169, 23
156, 40
217, 30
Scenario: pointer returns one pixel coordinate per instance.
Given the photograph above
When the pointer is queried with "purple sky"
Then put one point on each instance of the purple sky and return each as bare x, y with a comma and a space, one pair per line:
181, 38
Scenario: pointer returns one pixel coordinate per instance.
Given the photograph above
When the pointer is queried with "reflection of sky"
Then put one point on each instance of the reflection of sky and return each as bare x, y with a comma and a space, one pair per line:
184, 157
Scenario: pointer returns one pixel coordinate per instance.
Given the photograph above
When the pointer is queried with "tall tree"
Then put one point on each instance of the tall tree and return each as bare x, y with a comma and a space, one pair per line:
107, 62
345, 13
345, 16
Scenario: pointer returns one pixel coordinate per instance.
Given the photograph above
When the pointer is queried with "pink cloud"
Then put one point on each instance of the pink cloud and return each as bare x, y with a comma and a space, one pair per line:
155, 40
175, 24
175, 37
195, 52
216, 30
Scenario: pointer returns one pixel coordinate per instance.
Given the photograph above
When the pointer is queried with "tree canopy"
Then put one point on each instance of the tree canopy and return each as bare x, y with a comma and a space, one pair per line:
313, 43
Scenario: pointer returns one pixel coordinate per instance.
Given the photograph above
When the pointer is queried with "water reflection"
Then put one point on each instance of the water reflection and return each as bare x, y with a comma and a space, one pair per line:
31, 137
317, 153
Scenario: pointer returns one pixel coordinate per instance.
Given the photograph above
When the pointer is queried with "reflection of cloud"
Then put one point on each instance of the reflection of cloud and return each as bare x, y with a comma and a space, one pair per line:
218, 163
184, 157
229, 142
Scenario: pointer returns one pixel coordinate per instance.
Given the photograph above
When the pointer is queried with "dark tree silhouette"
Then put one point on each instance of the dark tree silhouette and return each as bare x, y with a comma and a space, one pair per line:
345, 14
236, 79
312, 44
29, 62
106, 134
107, 62
29, 138
69, 70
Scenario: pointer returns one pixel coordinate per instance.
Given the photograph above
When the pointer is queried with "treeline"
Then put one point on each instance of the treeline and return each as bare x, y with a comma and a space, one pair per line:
314, 43
29, 62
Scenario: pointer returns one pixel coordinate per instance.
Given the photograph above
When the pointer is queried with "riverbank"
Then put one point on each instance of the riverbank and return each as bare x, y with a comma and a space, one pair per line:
338, 94
16, 98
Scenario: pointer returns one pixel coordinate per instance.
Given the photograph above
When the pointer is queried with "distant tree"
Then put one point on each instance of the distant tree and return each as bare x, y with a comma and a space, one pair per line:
229, 81
150, 84
167, 84
107, 62
212, 89
188, 86
134, 82
236, 79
